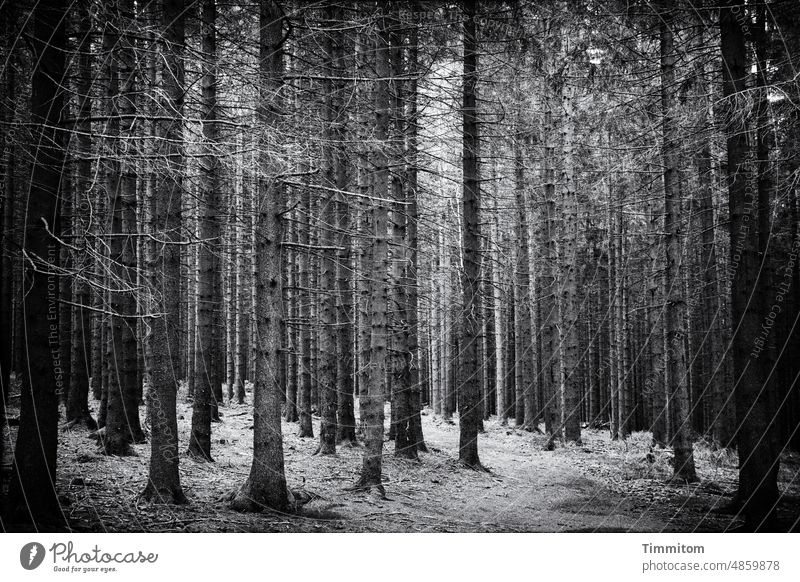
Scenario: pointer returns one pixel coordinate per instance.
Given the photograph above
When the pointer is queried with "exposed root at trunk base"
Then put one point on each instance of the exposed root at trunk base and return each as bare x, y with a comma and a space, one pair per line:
112, 445
164, 495
375, 489
86, 421
243, 500
474, 466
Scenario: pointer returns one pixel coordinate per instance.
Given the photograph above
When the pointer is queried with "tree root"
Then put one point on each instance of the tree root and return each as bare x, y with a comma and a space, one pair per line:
476, 466
85, 420
163, 495
375, 489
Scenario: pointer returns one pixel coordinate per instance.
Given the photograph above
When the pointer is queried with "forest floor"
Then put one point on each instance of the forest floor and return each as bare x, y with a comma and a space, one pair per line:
599, 486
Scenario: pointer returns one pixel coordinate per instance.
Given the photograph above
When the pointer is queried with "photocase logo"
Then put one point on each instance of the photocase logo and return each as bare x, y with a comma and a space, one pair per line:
31, 555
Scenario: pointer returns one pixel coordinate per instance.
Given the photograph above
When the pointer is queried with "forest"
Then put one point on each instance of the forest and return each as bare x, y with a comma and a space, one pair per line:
275, 265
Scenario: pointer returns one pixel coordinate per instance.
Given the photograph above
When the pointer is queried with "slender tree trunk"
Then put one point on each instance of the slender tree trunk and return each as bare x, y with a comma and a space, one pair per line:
620, 326
266, 485
570, 386
550, 369
331, 160
469, 394
209, 281
190, 258
306, 429
372, 396
413, 356
526, 383
675, 316
293, 342
242, 292
122, 425
7, 206
613, 299
346, 422
78, 401
716, 328
163, 263
231, 290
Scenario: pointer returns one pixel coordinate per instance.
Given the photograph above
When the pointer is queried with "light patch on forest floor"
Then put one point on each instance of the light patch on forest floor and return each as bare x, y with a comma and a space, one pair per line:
602, 485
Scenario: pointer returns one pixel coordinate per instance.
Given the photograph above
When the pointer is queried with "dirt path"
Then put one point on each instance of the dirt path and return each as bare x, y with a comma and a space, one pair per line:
600, 486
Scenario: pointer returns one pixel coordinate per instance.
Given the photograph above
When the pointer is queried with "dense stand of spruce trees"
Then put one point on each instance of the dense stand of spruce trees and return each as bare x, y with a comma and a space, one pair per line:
562, 214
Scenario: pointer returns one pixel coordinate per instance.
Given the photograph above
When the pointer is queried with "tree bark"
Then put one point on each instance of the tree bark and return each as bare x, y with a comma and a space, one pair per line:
266, 485
469, 394
122, 426
413, 361
209, 282
675, 316
526, 382
163, 261
372, 396
32, 496
570, 385
759, 460
331, 162
81, 355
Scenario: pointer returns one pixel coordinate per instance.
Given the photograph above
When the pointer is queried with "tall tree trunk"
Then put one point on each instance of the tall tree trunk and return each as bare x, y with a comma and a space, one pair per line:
346, 422
613, 299
620, 319
675, 316
122, 425
448, 386
716, 328
469, 394
266, 485
7, 205
189, 258
570, 385
243, 283
550, 357
163, 262
499, 320
331, 160
758, 458
78, 401
372, 396
413, 361
32, 496
209, 281
204, 404
403, 313
306, 429
526, 382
